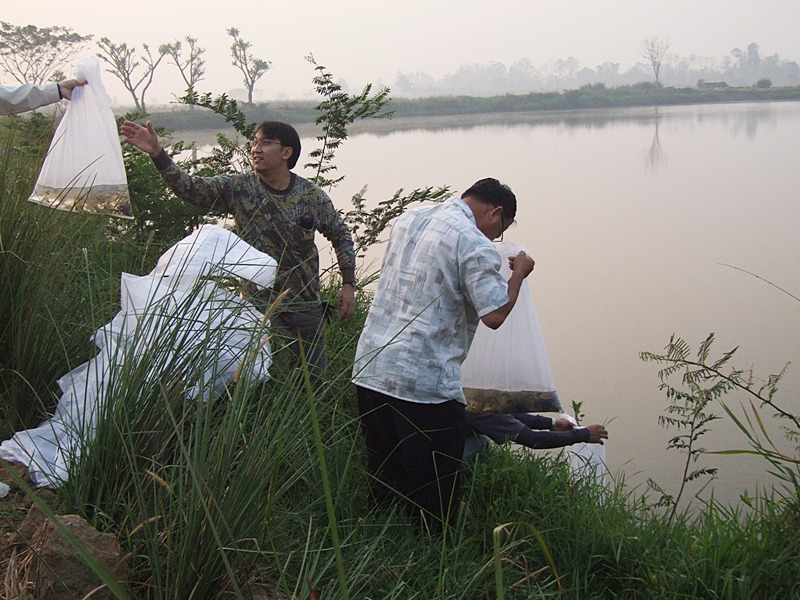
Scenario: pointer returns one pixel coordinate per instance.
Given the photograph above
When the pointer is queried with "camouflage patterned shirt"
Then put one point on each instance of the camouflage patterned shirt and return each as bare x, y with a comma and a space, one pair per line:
279, 223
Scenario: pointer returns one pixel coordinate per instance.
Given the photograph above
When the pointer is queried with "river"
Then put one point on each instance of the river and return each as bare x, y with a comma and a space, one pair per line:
644, 223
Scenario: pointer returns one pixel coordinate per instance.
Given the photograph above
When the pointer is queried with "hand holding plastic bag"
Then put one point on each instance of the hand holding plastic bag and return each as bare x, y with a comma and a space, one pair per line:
507, 369
83, 170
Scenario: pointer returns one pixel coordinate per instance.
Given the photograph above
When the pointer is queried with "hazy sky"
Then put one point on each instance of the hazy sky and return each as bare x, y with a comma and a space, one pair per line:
368, 41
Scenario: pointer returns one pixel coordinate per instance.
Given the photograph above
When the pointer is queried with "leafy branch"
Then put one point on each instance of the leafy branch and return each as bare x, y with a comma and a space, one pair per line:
228, 156
367, 226
338, 110
687, 408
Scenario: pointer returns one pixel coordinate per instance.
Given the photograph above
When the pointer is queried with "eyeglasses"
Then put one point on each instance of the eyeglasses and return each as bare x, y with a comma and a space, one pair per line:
263, 143
502, 228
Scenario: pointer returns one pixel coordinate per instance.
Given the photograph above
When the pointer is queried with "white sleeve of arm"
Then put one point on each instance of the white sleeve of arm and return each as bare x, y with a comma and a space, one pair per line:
27, 97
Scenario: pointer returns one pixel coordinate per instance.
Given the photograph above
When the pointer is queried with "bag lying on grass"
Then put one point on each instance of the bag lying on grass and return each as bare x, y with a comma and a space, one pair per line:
83, 170
181, 326
588, 461
507, 369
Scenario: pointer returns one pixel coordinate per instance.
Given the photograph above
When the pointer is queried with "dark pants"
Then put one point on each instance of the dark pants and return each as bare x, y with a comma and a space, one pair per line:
414, 453
306, 328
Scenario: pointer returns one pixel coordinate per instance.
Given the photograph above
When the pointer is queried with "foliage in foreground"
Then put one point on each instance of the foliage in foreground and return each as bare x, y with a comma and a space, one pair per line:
240, 504
59, 272
50, 280
264, 488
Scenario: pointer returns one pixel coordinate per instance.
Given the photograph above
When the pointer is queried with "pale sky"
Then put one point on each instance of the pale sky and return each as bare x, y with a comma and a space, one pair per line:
367, 41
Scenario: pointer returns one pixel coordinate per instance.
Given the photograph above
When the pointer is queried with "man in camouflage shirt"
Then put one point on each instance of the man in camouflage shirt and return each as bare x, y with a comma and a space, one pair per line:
277, 212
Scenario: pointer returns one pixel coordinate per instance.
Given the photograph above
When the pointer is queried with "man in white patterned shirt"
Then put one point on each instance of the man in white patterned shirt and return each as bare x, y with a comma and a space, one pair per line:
29, 97
440, 275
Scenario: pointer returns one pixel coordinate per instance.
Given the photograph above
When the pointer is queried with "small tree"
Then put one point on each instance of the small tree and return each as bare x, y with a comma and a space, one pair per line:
252, 68
192, 66
655, 48
337, 110
125, 66
33, 55
764, 83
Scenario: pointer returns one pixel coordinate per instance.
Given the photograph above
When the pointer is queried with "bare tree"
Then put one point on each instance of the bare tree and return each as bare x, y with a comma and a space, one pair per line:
31, 54
252, 68
561, 70
124, 66
192, 66
655, 48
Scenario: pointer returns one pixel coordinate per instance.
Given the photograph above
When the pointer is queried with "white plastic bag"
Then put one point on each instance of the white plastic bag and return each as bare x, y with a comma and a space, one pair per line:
168, 303
83, 170
588, 461
507, 369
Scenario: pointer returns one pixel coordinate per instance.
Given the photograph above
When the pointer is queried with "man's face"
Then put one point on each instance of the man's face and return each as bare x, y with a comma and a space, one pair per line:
493, 224
268, 154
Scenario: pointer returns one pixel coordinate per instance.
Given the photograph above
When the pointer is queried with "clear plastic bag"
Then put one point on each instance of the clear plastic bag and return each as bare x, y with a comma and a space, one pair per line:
83, 170
507, 369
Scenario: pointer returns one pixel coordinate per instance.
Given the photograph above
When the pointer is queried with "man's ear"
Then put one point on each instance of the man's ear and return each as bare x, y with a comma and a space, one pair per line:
287, 152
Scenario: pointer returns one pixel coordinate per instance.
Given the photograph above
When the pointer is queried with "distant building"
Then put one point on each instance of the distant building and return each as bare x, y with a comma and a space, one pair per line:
711, 85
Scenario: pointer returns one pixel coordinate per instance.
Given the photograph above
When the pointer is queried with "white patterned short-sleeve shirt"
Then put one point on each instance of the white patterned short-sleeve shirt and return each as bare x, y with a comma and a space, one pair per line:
440, 274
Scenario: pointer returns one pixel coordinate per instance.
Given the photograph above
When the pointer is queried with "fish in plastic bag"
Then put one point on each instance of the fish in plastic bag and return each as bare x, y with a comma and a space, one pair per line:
83, 170
507, 369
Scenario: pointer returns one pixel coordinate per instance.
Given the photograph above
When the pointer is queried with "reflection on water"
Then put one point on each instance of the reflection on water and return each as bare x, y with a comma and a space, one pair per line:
656, 155
629, 251
742, 119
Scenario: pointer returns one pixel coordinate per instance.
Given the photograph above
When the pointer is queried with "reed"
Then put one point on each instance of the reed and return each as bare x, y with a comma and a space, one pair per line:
228, 499
50, 264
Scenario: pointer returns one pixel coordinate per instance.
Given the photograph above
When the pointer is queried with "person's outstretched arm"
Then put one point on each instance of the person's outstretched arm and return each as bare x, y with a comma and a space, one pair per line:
592, 434
29, 96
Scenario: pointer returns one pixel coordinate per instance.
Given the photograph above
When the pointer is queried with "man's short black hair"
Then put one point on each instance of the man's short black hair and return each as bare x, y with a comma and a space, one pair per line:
491, 191
285, 134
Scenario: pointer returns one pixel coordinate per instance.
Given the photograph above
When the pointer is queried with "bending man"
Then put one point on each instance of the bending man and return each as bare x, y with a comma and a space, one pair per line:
440, 275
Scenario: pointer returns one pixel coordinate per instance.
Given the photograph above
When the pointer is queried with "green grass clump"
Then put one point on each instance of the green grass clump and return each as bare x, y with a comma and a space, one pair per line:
263, 488
53, 276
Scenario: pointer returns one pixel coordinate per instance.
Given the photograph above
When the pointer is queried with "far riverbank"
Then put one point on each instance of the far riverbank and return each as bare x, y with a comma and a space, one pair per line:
407, 112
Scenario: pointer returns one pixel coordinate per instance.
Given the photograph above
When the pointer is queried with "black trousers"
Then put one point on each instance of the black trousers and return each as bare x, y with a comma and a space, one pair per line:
414, 453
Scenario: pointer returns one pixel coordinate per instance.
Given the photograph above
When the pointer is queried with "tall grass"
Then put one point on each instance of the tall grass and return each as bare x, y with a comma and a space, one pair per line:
226, 498
49, 267
261, 487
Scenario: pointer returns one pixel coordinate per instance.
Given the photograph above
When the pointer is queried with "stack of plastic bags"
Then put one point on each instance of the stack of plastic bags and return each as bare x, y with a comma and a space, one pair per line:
184, 313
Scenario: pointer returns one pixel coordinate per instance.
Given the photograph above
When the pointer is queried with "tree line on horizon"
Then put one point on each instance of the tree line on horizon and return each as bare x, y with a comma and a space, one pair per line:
30, 54
741, 68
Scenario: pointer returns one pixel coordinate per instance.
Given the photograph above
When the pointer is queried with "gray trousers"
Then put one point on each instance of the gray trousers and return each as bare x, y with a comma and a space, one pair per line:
298, 335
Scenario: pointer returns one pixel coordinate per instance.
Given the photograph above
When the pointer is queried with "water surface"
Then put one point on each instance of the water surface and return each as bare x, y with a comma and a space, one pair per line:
641, 222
